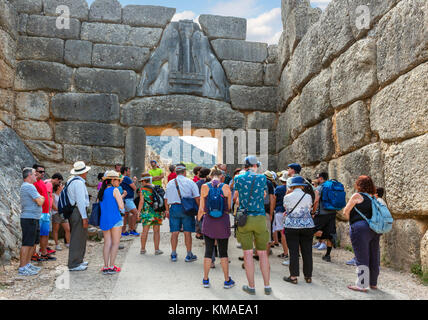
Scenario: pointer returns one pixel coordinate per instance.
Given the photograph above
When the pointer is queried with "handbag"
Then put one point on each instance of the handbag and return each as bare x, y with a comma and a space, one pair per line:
190, 206
242, 214
95, 217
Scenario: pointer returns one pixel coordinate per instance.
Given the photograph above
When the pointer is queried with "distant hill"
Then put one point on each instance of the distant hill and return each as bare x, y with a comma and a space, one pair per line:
180, 151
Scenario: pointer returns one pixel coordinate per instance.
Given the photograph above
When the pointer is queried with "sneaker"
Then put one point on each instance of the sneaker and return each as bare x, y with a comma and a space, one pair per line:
79, 268
286, 262
316, 245
105, 270
173, 257
268, 291
58, 247
143, 251
351, 262
229, 284
191, 258
26, 271
206, 283
114, 270
36, 257
67, 245
322, 246
50, 251
249, 290
158, 252
125, 234
121, 246
326, 258
34, 268
134, 233
48, 257
85, 263
239, 246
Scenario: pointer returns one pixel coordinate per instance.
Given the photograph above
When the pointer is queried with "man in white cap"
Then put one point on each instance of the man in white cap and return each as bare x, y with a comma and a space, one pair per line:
79, 198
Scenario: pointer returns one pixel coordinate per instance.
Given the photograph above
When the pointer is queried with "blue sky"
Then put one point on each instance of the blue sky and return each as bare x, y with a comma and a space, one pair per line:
263, 16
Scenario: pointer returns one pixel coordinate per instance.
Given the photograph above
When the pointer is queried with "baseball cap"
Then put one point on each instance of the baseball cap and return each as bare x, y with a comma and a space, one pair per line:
295, 166
252, 160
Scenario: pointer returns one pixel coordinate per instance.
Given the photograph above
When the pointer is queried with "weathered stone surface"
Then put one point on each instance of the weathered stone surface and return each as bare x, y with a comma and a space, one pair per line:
271, 74
22, 23
44, 49
120, 34
119, 57
7, 48
42, 26
399, 49
7, 117
7, 75
78, 8
400, 248
202, 112
254, 98
36, 130
45, 150
105, 11
240, 50
311, 172
287, 121
283, 51
193, 69
364, 161
34, 75
28, 6
7, 100
261, 120
77, 153
135, 150
14, 156
89, 134
78, 53
32, 106
120, 82
85, 107
400, 110
315, 99
244, 73
107, 156
353, 127
342, 231
285, 88
219, 27
147, 16
408, 156
424, 252
285, 157
272, 53
354, 74
9, 18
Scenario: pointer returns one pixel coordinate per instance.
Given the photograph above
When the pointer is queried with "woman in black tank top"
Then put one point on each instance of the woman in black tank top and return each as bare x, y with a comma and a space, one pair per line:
365, 208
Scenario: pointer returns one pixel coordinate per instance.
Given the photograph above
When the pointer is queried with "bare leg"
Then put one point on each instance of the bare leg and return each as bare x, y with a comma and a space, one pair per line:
264, 266
144, 236
174, 241
156, 236
249, 267
133, 220
188, 240
55, 229
43, 244
275, 237
225, 266
284, 244
115, 235
23, 256
107, 247
125, 220
207, 267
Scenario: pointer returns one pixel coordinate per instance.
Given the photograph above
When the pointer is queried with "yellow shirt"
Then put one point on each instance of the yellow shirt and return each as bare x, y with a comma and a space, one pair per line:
156, 173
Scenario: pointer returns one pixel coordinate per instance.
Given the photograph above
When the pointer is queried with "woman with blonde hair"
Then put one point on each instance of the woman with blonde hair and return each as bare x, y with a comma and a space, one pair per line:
111, 223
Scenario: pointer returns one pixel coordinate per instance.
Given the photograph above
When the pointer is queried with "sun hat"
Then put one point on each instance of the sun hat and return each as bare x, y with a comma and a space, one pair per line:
284, 176
79, 168
112, 174
145, 176
295, 166
269, 175
297, 182
252, 160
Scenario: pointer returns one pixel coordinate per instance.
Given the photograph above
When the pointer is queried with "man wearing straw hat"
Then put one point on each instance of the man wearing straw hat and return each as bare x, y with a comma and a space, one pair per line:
79, 198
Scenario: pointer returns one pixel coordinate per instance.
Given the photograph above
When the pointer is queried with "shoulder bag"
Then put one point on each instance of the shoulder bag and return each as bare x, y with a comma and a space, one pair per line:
190, 206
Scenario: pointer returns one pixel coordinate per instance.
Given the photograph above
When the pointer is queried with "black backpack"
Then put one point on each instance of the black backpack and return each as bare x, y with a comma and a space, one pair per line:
158, 199
64, 206
309, 190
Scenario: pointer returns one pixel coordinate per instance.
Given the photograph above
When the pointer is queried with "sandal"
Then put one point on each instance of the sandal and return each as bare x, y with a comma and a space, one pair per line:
373, 287
288, 279
308, 280
143, 251
355, 288
282, 255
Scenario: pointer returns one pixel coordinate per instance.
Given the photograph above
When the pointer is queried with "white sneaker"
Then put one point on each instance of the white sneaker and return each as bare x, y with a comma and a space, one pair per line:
79, 268
58, 247
67, 245
84, 263
26, 271
34, 268
316, 245
322, 246
286, 262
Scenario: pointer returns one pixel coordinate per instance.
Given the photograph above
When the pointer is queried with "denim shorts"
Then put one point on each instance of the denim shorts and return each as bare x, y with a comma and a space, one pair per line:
118, 224
44, 227
178, 219
129, 205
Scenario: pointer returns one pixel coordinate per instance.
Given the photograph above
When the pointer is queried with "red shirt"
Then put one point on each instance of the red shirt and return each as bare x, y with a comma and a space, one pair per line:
171, 176
195, 179
43, 191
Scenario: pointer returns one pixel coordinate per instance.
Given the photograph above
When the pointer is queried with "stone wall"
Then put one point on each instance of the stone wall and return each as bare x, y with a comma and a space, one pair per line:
354, 102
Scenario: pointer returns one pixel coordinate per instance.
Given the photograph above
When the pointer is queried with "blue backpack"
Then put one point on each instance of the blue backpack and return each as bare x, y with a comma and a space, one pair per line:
64, 206
333, 195
215, 200
381, 220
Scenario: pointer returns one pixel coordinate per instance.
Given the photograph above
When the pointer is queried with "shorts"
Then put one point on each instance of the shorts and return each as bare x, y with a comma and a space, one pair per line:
30, 232
326, 224
57, 218
178, 219
278, 221
129, 205
118, 224
255, 230
45, 225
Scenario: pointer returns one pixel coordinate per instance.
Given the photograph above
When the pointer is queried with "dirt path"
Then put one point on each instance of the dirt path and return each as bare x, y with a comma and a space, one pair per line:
155, 277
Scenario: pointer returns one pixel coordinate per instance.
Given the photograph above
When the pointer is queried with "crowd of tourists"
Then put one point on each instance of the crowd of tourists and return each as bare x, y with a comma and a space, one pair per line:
267, 210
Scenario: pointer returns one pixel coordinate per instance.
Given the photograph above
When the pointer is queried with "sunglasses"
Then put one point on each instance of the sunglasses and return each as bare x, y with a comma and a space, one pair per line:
41, 171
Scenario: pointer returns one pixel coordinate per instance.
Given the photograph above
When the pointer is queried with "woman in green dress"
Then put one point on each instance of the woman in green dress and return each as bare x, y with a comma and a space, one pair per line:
149, 217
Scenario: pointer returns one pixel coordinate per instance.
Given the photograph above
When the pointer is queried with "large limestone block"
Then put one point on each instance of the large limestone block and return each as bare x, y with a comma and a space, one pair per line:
7, 75
407, 193
73, 153
45, 150
34, 130
119, 57
105, 11
272, 74
135, 150
9, 18
86, 107
44, 49
354, 74
261, 120
272, 53
7, 48
32, 106
7, 117
342, 231
400, 49
120, 82
78, 8
34, 75
289, 124
27, 6
107, 156
41, 26
120, 34
400, 248
78, 53
283, 51
240, 50
400, 110
254, 98
286, 91
7, 100
203, 113
364, 161
285, 157
22, 23
353, 127
147, 16
89, 134
219, 27
311, 172
424, 252
244, 73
